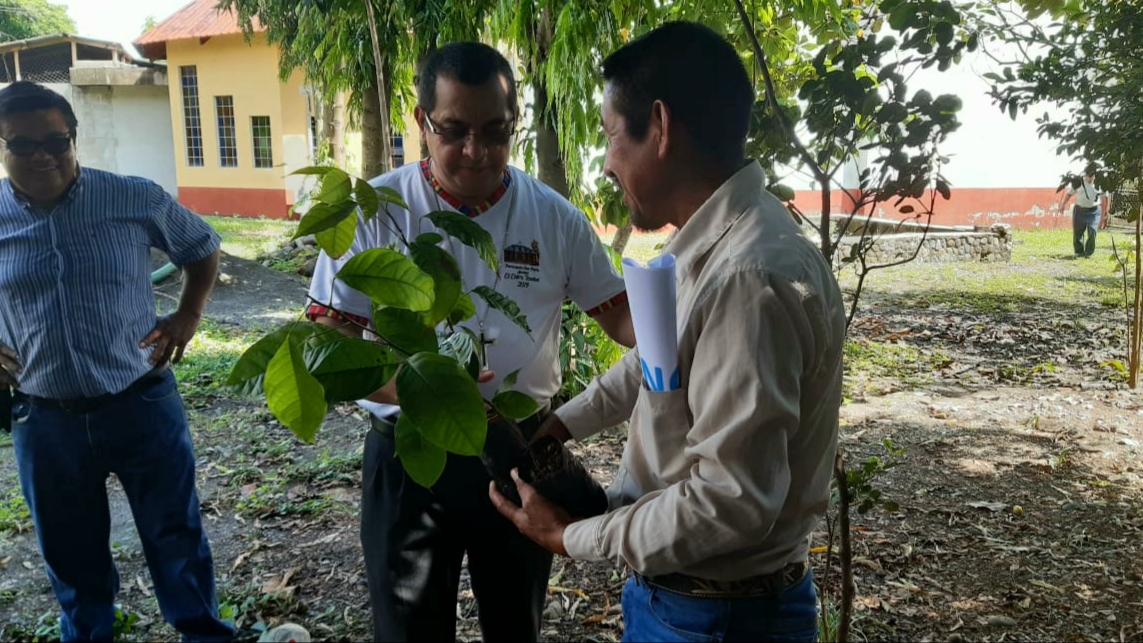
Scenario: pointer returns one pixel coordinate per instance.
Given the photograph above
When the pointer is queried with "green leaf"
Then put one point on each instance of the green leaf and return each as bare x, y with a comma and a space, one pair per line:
316, 170
249, 371
468, 232
514, 404
404, 330
504, 305
429, 238
509, 381
323, 216
335, 187
389, 195
336, 241
294, 396
389, 278
444, 402
459, 346
784, 192
445, 272
349, 368
462, 310
366, 198
423, 460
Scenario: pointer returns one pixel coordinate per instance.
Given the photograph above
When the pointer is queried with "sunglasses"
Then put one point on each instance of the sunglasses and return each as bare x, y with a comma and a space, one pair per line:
55, 145
492, 136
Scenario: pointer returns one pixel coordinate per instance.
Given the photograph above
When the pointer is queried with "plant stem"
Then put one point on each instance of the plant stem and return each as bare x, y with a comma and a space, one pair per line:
1136, 330
846, 553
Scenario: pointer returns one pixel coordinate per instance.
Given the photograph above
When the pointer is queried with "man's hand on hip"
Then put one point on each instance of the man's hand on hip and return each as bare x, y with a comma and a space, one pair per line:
170, 337
539, 518
9, 366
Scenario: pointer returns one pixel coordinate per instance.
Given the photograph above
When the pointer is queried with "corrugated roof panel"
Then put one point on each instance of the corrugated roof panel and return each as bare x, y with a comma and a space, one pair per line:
199, 19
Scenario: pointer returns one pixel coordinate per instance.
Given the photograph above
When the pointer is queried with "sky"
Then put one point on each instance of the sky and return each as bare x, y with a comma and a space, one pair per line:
989, 150
117, 20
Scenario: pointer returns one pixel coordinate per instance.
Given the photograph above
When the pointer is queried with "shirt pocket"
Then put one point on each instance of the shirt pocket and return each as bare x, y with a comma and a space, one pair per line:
656, 454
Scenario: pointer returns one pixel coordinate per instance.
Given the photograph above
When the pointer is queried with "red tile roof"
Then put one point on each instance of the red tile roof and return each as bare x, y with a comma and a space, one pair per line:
199, 19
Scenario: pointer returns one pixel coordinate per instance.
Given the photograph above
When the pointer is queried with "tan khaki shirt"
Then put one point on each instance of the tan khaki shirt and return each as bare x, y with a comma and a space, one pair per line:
727, 477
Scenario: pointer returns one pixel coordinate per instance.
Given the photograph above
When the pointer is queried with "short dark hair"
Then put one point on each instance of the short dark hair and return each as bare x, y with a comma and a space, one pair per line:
24, 96
471, 63
696, 73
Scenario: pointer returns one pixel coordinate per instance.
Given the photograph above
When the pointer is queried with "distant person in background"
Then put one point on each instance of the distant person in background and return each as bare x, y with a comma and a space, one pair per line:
1086, 214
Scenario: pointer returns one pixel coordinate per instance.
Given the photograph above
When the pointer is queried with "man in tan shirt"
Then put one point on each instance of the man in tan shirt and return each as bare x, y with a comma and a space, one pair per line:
723, 480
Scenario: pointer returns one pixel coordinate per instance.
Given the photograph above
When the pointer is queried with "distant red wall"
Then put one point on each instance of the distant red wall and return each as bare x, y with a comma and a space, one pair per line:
1022, 208
244, 202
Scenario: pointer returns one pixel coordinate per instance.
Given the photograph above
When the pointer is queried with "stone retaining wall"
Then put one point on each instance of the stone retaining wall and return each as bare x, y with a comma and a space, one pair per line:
941, 244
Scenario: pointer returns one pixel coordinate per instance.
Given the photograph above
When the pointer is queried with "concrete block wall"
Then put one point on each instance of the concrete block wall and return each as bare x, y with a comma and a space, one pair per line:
936, 247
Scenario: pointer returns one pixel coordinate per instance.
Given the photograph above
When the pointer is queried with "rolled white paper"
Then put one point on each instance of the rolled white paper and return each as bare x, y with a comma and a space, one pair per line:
651, 293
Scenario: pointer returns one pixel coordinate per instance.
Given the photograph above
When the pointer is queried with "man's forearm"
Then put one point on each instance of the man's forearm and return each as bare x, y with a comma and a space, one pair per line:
200, 278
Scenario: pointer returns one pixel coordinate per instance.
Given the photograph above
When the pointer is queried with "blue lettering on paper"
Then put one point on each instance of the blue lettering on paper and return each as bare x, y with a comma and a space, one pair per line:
655, 381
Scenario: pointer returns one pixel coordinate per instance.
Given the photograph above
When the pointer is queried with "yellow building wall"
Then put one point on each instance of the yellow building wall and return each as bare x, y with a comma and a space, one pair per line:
229, 66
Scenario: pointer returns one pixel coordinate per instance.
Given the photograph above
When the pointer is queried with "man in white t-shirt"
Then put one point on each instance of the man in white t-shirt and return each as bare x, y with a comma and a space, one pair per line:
1086, 214
414, 539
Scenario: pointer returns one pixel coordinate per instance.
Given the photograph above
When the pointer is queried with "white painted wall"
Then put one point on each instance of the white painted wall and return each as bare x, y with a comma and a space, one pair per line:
145, 145
990, 150
124, 129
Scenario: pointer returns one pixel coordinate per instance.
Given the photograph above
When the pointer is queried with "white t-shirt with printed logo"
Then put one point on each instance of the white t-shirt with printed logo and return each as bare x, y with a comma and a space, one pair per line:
1087, 196
550, 253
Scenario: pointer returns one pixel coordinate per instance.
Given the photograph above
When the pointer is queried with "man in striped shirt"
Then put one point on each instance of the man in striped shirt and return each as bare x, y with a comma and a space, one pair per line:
80, 339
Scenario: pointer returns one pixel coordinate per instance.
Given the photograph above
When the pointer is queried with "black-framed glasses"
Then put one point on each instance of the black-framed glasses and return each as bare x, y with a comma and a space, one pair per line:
54, 145
493, 135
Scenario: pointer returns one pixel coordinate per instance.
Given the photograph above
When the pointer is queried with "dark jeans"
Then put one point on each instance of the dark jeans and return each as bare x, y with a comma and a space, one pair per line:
1084, 220
414, 540
64, 459
654, 614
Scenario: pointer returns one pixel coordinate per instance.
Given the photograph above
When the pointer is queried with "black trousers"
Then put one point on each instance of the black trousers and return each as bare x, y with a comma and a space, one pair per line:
414, 540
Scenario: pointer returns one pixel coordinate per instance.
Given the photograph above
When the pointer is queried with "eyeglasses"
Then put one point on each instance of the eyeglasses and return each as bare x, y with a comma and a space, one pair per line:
54, 145
492, 136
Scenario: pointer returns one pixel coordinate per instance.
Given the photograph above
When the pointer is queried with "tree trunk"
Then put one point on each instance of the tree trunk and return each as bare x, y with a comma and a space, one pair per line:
823, 226
549, 159
333, 128
622, 236
383, 156
373, 162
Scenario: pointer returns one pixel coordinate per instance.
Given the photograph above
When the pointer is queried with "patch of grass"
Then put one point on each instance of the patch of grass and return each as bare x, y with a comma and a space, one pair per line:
641, 246
295, 261
277, 497
251, 238
249, 606
14, 514
327, 469
1042, 269
210, 356
46, 628
868, 362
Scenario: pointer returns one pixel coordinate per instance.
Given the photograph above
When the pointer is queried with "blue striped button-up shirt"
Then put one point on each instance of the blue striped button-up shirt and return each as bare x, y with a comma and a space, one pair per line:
75, 287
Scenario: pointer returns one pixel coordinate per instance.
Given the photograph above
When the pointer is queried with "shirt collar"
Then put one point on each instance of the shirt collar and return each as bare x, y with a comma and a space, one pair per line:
716, 216
72, 191
467, 210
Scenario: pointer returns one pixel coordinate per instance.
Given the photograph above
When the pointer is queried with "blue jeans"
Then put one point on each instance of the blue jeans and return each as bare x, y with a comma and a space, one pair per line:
1084, 220
64, 459
654, 614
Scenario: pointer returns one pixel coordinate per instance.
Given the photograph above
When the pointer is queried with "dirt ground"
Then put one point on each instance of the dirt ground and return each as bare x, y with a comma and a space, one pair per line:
1019, 512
